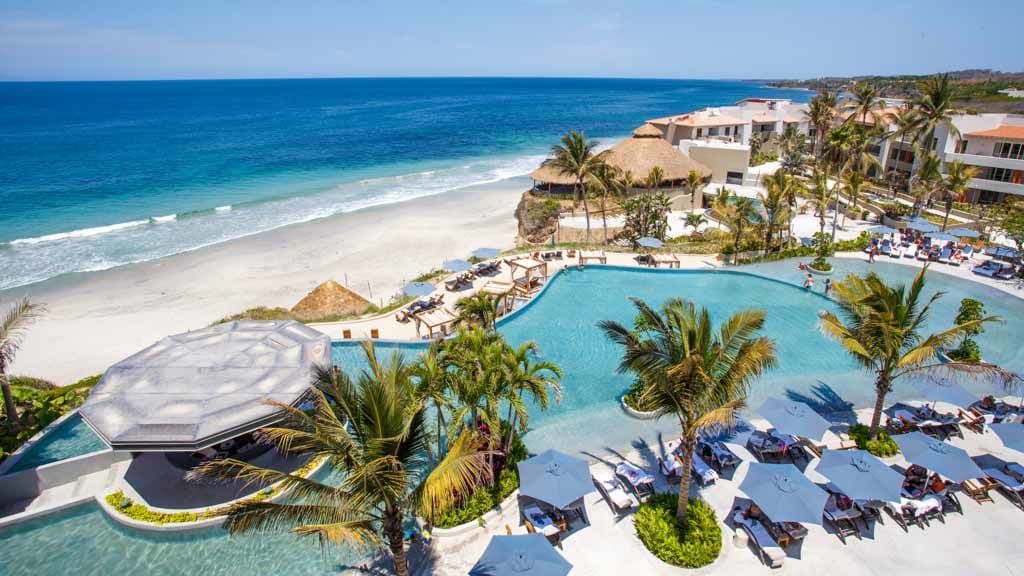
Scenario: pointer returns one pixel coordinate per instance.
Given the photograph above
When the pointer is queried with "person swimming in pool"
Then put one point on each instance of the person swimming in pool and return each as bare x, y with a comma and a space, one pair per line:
809, 282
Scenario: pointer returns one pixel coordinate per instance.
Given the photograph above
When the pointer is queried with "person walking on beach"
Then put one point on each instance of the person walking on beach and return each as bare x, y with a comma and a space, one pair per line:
809, 282
828, 286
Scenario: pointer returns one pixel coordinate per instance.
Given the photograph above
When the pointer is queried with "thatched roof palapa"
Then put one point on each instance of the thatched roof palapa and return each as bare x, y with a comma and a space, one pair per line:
330, 299
645, 150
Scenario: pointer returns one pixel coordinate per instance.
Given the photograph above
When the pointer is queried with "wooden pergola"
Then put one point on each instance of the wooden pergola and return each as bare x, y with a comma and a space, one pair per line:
669, 260
531, 269
434, 319
502, 290
596, 256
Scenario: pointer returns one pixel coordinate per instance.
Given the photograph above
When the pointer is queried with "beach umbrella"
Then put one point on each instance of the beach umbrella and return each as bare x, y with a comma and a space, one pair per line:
520, 555
794, 418
784, 493
944, 390
936, 455
1002, 252
882, 229
555, 478
860, 475
648, 242
964, 233
1011, 434
486, 253
942, 237
456, 265
922, 225
418, 289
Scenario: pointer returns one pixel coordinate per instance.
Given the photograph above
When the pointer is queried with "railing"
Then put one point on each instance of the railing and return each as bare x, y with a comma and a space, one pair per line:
987, 161
997, 186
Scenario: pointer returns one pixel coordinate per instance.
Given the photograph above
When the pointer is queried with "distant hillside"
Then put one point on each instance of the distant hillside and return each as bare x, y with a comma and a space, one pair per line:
976, 90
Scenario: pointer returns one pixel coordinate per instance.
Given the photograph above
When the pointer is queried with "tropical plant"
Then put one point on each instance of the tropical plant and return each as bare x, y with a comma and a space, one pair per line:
12, 331
575, 157
864, 100
970, 310
739, 214
820, 194
654, 178
691, 371
1009, 219
933, 107
433, 386
880, 326
853, 184
954, 186
694, 220
694, 180
821, 113
647, 215
926, 182
793, 162
604, 181
695, 546
371, 431
525, 374
792, 140
480, 309
775, 205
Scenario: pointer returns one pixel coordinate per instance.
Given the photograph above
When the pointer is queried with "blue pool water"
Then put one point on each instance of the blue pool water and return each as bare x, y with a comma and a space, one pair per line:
71, 438
562, 322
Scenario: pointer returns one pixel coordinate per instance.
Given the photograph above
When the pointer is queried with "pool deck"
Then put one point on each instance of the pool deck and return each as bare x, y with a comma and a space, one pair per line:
984, 540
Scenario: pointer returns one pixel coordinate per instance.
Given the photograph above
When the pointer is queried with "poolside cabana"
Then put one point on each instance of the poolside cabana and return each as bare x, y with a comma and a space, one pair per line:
593, 255
504, 291
533, 271
194, 390
435, 319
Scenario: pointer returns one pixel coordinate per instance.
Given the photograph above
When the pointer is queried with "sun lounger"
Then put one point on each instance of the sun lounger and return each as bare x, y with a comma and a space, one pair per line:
968, 251
767, 548
612, 491
766, 446
1009, 486
945, 254
843, 520
637, 479
705, 474
922, 253
917, 512
671, 469
911, 251
716, 454
897, 251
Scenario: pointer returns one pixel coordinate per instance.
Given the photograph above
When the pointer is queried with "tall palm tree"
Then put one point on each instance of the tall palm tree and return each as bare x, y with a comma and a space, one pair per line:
628, 182
525, 374
955, 185
694, 180
933, 107
694, 220
654, 178
739, 217
433, 385
480, 309
474, 358
372, 432
821, 113
864, 100
820, 194
925, 183
605, 182
775, 205
853, 184
12, 330
575, 157
880, 326
792, 140
690, 370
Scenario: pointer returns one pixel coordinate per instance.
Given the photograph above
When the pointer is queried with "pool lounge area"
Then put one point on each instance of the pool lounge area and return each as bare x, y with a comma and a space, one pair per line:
562, 321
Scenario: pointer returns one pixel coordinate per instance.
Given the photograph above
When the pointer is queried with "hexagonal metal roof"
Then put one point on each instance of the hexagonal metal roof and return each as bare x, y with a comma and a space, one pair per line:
193, 390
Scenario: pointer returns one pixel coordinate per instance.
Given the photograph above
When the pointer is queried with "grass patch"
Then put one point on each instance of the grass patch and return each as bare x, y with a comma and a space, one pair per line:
883, 447
658, 528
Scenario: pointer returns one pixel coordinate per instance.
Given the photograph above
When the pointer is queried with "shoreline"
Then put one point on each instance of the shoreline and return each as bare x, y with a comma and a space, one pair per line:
94, 319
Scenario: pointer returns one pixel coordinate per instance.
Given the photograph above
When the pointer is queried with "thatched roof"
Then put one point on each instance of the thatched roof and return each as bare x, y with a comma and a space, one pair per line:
641, 153
648, 130
550, 175
330, 299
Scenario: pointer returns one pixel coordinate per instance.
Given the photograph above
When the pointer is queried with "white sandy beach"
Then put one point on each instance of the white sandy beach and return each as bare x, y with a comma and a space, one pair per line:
94, 319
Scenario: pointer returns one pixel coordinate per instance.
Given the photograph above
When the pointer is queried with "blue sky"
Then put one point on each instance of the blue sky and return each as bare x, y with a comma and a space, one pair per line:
75, 40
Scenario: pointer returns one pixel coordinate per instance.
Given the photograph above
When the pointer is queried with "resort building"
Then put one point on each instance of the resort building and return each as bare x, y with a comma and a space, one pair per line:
638, 156
994, 145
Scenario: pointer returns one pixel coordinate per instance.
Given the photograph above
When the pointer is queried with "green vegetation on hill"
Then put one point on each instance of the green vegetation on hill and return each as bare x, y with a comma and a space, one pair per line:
38, 404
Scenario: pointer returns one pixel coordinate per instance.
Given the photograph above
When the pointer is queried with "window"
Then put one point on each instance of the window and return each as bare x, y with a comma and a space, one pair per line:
734, 178
700, 132
728, 130
961, 147
1009, 150
999, 174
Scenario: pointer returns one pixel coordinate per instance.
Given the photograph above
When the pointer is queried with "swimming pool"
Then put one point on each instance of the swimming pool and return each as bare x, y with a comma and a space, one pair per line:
563, 323
71, 438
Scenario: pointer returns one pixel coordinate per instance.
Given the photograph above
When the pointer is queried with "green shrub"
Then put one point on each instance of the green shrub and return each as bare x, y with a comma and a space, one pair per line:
821, 264
968, 351
482, 501
39, 403
884, 446
854, 245
657, 527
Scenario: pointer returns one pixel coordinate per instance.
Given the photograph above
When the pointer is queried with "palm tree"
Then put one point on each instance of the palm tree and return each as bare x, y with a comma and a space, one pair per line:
372, 432
12, 330
694, 220
955, 185
820, 194
881, 328
480, 309
690, 370
694, 180
793, 162
654, 178
605, 183
525, 375
933, 107
926, 182
474, 358
775, 205
821, 112
628, 182
864, 101
853, 184
739, 216
792, 140
433, 384
575, 157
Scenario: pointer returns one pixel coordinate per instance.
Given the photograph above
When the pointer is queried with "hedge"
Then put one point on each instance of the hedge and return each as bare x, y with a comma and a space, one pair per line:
483, 501
882, 447
658, 528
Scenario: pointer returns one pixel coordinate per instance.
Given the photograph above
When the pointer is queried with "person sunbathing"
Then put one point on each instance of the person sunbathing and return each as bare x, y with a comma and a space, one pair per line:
936, 485
988, 403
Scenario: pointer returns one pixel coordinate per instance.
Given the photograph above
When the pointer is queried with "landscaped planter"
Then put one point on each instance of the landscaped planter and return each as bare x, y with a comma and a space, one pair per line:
638, 414
472, 525
815, 271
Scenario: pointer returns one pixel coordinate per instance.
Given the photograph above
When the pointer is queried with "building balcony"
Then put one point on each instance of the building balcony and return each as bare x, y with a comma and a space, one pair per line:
986, 161
997, 186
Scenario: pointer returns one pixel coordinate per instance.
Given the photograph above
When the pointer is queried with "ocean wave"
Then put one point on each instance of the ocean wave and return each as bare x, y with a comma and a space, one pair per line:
92, 249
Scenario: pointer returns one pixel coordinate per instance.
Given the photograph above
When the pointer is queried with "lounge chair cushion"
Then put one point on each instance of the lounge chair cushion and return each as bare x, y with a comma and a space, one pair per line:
774, 554
1007, 481
706, 473
634, 474
616, 495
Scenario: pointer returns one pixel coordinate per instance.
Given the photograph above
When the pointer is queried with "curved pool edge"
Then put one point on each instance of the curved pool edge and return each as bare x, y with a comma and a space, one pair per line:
16, 456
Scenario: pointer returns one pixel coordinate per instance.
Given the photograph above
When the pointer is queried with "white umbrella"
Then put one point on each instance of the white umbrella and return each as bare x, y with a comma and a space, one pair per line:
794, 418
860, 475
1011, 434
939, 456
784, 493
520, 555
944, 390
